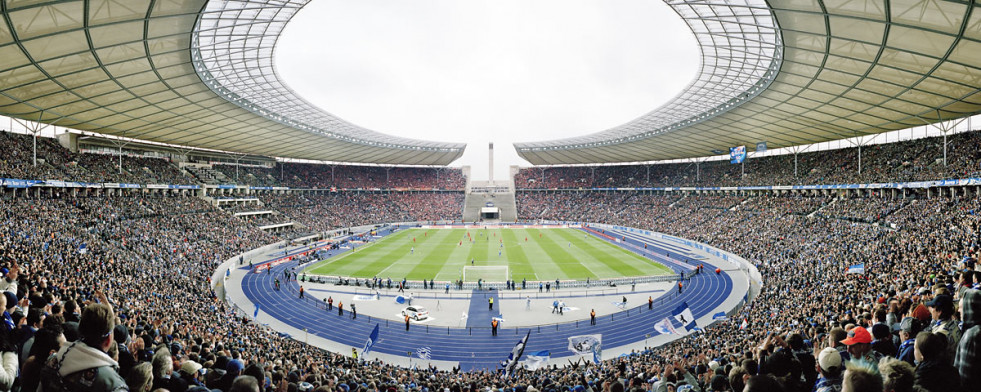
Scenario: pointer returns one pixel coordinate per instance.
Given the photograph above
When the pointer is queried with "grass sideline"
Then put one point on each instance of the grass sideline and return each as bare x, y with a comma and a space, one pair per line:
532, 254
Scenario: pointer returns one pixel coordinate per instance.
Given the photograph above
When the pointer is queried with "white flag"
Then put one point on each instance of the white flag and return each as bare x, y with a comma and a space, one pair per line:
665, 327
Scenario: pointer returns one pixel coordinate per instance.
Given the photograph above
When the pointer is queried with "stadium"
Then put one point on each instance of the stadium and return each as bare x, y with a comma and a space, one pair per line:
802, 216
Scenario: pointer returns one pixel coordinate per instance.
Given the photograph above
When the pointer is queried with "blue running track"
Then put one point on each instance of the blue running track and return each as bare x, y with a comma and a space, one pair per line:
474, 347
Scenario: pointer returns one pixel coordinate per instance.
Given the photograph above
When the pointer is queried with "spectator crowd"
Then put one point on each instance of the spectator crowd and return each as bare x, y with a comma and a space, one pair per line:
79, 271
913, 160
112, 293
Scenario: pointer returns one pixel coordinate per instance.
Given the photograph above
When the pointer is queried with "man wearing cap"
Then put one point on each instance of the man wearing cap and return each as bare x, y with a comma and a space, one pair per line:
232, 370
908, 328
84, 364
859, 344
192, 372
829, 368
942, 312
882, 342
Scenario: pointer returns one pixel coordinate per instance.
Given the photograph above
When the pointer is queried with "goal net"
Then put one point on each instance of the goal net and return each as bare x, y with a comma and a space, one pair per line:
496, 273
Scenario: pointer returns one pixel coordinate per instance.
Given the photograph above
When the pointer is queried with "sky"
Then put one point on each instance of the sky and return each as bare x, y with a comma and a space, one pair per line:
480, 71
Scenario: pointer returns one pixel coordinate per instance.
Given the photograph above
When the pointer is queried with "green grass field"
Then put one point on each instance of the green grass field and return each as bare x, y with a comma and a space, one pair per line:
545, 255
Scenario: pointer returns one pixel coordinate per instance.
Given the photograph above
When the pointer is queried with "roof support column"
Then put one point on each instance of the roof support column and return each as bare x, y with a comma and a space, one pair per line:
119, 143
35, 128
946, 127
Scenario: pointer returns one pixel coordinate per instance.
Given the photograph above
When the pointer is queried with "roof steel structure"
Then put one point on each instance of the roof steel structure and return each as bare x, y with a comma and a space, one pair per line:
184, 72
845, 68
200, 74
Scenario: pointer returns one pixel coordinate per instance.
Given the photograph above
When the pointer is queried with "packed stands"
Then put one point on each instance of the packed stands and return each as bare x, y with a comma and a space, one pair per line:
328, 211
151, 258
58, 163
913, 160
160, 252
307, 175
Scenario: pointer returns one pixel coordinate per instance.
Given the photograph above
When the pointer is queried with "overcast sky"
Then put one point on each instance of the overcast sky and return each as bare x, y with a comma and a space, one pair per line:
480, 71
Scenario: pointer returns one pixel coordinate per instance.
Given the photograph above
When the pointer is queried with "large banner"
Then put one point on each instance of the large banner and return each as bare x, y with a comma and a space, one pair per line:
737, 154
584, 344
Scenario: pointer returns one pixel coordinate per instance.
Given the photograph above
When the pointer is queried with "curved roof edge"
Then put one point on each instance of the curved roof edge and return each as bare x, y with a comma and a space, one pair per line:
741, 54
847, 70
232, 50
125, 69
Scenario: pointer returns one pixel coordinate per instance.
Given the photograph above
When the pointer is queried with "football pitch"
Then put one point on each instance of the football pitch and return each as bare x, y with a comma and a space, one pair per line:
532, 254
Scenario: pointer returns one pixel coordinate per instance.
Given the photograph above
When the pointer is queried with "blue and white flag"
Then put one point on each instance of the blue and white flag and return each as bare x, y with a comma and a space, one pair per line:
721, 316
535, 361
684, 316
83, 249
583, 344
737, 154
372, 338
665, 327
424, 353
856, 269
255, 314
598, 352
399, 299
515, 355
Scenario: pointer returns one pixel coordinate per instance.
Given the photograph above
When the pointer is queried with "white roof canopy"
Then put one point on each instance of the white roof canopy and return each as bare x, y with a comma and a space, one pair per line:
845, 69
141, 69
201, 74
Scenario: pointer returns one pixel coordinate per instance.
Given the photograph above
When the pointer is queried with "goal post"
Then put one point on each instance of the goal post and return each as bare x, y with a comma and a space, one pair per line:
487, 273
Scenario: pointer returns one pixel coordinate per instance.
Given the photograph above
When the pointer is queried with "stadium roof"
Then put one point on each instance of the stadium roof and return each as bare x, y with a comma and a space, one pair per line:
200, 74
186, 72
794, 72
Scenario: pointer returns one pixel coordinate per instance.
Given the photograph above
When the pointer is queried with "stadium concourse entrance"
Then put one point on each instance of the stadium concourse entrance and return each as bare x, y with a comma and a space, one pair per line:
490, 202
490, 212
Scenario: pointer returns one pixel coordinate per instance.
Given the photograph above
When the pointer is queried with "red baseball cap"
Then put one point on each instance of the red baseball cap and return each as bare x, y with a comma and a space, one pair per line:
857, 335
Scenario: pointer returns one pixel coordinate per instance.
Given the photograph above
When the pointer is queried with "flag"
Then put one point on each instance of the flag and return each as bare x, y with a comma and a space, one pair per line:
372, 338
856, 269
744, 324
83, 249
737, 154
583, 344
598, 352
515, 355
537, 360
255, 314
684, 316
665, 328
424, 353
721, 316
399, 299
